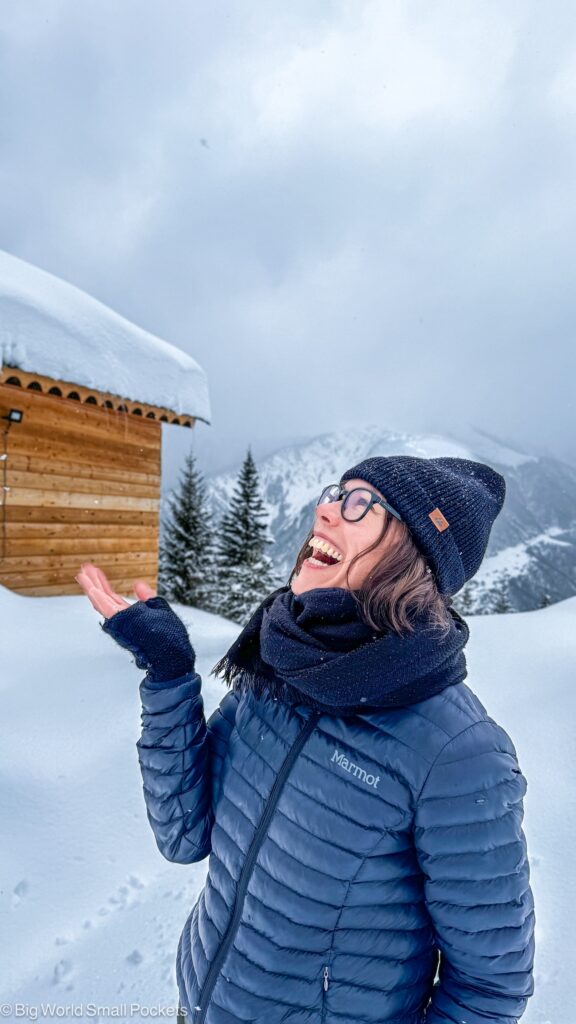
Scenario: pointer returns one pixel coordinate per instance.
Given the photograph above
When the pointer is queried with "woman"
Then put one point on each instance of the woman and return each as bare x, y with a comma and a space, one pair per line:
361, 810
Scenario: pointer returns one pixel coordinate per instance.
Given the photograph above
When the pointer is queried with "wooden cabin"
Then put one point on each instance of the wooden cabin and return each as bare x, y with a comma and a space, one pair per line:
80, 468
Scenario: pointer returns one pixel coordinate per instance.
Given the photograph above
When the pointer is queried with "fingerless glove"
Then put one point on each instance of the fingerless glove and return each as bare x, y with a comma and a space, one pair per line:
156, 637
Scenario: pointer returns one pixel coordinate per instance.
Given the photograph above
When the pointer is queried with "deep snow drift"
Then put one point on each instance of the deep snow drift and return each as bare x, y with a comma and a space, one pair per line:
91, 911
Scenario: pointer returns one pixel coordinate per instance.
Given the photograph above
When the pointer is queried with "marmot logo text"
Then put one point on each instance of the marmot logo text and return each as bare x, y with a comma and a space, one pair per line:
355, 770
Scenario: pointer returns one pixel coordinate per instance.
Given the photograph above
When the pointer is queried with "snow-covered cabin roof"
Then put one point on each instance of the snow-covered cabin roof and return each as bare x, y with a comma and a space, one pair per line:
50, 327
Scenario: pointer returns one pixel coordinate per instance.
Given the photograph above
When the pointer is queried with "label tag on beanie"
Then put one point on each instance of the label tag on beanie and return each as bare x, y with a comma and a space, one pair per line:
440, 521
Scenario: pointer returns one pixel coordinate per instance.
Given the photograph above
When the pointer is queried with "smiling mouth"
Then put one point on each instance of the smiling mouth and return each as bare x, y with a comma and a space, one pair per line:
324, 554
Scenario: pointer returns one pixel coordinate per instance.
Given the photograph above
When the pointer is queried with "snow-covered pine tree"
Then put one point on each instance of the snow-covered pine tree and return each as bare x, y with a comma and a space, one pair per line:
245, 574
186, 568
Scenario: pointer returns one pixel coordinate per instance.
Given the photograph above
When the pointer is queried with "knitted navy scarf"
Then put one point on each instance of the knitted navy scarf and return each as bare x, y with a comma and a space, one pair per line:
314, 648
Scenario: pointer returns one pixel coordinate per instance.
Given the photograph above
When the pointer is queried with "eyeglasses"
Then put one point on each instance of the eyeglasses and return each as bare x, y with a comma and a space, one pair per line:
357, 502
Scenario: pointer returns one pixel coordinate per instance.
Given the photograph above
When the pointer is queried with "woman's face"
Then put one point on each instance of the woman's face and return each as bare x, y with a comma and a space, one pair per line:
347, 539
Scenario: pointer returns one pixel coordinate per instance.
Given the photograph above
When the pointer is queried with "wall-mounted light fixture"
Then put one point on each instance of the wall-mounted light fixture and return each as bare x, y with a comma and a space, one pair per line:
14, 416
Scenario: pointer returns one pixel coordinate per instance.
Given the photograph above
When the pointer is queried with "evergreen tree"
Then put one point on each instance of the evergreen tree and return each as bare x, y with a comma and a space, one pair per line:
500, 602
545, 600
245, 574
186, 569
465, 600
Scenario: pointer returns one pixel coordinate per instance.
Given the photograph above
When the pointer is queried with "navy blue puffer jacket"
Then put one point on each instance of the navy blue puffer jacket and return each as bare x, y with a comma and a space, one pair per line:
371, 868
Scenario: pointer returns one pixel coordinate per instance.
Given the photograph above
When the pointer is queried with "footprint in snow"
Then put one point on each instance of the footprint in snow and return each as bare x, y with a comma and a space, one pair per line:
19, 892
62, 972
135, 957
123, 898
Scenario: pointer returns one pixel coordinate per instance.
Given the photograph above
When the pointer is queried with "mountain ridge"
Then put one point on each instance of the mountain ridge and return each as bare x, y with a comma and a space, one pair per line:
531, 556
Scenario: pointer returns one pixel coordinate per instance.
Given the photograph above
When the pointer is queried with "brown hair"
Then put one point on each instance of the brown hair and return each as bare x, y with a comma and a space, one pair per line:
399, 587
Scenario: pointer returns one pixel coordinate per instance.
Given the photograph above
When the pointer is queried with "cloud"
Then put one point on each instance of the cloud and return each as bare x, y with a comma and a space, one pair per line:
386, 67
341, 209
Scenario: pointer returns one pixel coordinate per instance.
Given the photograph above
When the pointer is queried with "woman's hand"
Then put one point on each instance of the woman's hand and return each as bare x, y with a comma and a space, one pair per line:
149, 629
99, 592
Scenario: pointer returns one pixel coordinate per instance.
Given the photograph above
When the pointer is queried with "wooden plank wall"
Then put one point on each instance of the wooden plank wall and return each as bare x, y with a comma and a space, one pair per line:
79, 483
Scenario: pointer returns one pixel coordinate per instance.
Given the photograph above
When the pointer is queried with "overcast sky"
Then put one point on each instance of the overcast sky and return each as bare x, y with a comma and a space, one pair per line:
346, 211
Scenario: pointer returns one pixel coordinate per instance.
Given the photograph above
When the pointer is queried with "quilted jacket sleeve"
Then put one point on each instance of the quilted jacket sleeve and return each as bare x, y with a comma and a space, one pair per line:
472, 850
181, 758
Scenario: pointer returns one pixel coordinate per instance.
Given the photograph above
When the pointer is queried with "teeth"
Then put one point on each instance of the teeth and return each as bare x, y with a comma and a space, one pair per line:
323, 545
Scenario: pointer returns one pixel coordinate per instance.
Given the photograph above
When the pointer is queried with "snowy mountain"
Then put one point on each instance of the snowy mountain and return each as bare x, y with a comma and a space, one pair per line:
91, 911
531, 558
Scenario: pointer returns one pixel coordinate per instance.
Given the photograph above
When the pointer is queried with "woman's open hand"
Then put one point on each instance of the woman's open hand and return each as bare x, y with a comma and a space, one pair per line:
149, 629
97, 588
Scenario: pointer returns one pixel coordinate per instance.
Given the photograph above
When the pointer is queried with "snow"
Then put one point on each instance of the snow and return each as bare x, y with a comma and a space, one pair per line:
92, 910
517, 558
50, 327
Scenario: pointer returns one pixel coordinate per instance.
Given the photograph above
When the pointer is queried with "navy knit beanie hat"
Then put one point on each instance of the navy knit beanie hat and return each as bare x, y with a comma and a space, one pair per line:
448, 505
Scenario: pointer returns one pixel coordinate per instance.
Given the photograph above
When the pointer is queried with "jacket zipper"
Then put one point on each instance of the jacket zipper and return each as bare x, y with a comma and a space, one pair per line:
325, 984
204, 999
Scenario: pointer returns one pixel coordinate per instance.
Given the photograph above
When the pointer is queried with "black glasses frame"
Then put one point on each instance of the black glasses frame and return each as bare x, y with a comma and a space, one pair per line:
375, 499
